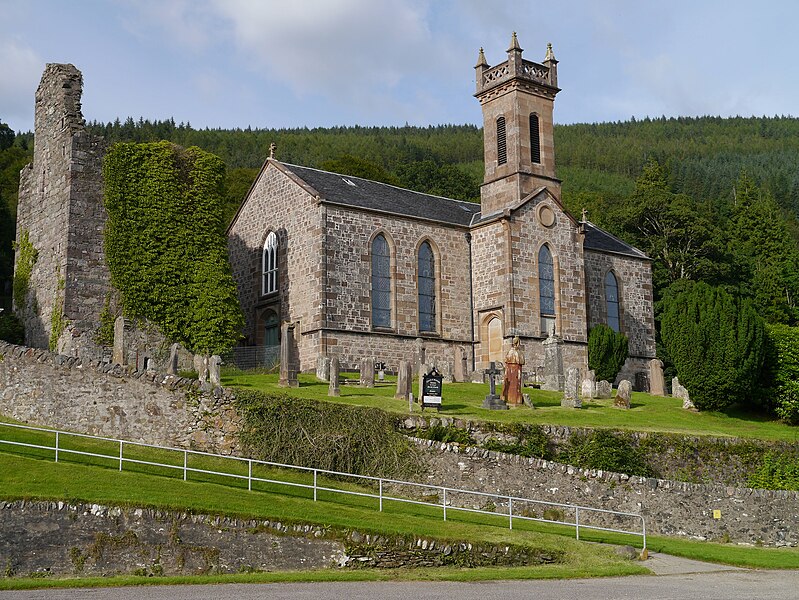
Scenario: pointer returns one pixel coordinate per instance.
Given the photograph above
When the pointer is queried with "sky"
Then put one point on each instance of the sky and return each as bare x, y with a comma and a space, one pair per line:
322, 63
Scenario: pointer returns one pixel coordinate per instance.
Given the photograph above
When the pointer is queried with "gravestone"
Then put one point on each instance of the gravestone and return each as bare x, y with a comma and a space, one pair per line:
642, 381
334, 389
323, 368
448, 377
461, 368
288, 367
432, 387
424, 370
404, 380
172, 365
421, 355
118, 355
492, 401
214, 376
553, 364
604, 389
588, 387
571, 393
381, 371
623, 393
657, 384
367, 378
201, 366
678, 391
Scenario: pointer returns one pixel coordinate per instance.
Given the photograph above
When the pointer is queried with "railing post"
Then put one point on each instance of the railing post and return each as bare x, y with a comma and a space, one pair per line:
381, 495
249, 475
120, 455
577, 521
314, 485
643, 532
56, 446
444, 502
510, 513
185, 464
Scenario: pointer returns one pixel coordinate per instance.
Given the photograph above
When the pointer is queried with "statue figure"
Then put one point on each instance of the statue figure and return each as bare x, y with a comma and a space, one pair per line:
512, 384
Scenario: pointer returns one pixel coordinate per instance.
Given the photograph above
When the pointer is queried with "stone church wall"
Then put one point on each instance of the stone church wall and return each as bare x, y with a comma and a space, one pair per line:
278, 203
635, 308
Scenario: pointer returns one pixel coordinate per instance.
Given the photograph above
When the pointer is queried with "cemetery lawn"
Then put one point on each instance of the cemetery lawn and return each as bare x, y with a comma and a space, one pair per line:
464, 400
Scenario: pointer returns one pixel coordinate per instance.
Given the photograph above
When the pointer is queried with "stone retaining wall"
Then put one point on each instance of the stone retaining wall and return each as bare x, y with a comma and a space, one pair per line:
669, 507
58, 538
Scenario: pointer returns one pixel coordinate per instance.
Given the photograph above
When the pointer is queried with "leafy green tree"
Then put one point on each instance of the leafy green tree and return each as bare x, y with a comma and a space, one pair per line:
717, 343
165, 243
347, 164
607, 351
781, 377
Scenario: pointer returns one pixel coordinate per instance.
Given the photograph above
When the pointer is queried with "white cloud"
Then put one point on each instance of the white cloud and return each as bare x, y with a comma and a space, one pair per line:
21, 70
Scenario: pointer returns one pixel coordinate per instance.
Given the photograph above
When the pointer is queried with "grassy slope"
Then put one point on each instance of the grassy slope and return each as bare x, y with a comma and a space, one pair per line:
463, 400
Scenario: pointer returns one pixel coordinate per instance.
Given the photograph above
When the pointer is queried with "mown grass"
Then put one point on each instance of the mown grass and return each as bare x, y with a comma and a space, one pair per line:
464, 400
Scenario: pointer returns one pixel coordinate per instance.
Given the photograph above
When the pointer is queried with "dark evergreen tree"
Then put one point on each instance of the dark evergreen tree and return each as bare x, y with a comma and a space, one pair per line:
607, 351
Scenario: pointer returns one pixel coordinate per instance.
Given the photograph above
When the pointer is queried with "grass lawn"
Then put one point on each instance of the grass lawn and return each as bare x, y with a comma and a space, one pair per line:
464, 400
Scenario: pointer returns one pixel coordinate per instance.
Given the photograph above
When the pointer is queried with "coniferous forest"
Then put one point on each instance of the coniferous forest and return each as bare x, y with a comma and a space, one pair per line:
710, 199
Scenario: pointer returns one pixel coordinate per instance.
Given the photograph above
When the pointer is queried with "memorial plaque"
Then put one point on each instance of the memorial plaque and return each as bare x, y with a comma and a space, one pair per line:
432, 384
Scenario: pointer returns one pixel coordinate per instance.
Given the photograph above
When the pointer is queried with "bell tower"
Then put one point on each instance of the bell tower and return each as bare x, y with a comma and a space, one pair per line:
517, 98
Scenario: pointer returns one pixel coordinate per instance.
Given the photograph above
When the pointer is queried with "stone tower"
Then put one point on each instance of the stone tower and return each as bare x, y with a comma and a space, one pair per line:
61, 210
517, 98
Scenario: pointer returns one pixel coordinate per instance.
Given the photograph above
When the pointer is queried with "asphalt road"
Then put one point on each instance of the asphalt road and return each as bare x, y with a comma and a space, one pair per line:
721, 585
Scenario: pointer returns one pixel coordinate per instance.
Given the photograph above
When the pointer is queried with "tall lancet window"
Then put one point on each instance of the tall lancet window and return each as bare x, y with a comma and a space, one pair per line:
612, 301
535, 139
381, 282
502, 142
546, 290
427, 288
269, 265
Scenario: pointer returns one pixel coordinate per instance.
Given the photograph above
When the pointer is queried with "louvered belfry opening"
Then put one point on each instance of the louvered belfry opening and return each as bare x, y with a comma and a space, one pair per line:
535, 139
502, 142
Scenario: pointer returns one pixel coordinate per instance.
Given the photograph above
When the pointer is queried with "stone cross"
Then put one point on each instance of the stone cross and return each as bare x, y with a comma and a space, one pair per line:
334, 389
492, 401
288, 368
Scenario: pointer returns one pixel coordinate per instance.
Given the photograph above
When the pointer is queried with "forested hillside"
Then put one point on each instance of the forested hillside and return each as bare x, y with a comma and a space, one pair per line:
708, 198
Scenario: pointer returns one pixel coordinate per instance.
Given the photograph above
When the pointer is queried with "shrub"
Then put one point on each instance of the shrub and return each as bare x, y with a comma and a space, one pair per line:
11, 328
777, 472
717, 344
531, 440
607, 351
782, 372
606, 450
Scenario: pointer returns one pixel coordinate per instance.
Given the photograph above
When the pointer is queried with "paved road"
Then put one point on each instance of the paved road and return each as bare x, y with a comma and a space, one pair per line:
736, 584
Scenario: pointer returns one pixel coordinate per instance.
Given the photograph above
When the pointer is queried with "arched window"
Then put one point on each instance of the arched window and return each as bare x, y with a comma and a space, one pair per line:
269, 265
381, 282
271, 329
612, 301
546, 290
502, 142
427, 287
535, 139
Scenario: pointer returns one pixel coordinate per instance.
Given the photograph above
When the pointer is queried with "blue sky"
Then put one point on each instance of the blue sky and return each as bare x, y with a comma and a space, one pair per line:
319, 63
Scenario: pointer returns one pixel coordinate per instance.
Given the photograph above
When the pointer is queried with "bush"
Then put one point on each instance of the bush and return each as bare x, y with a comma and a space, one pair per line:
531, 440
782, 372
11, 328
717, 344
606, 450
777, 472
607, 351
324, 435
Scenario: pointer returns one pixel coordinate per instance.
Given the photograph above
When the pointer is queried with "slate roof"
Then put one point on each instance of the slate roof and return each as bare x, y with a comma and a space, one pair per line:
601, 241
372, 195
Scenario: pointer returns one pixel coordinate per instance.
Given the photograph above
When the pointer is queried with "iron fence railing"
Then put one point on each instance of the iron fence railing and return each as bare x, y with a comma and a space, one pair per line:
449, 499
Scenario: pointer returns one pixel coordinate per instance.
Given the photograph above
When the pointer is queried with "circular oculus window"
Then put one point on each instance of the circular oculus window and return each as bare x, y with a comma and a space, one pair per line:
546, 216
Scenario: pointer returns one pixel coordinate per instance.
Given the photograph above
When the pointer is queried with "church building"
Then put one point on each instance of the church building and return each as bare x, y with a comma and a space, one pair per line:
365, 269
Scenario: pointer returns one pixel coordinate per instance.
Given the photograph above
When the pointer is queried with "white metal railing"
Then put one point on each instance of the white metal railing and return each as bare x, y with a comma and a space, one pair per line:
446, 493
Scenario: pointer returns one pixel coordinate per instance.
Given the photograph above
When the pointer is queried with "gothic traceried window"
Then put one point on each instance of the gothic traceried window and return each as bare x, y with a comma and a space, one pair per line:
546, 290
502, 142
381, 282
535, 139
269, 265
427, 288
612, 301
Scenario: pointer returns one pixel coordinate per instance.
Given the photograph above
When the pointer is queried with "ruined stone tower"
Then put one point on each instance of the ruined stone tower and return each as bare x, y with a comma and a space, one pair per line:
61, 210
517, 98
